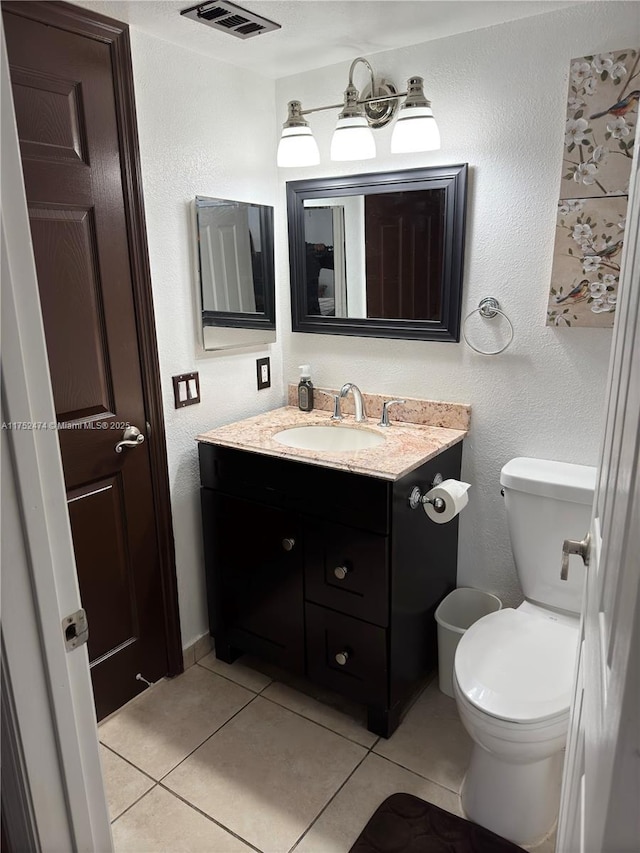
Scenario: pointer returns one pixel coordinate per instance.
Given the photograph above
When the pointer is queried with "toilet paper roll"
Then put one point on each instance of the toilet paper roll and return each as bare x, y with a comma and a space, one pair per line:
454, 495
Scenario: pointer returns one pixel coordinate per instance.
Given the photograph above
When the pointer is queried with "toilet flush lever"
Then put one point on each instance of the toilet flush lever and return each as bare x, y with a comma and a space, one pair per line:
573, 546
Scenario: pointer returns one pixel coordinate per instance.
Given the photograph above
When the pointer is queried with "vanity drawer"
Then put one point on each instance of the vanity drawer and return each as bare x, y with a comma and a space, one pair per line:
323, 492
347, 569
363, 673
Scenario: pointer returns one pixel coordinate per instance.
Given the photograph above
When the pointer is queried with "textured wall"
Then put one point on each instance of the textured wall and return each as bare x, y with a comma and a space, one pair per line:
196, 137
499, 95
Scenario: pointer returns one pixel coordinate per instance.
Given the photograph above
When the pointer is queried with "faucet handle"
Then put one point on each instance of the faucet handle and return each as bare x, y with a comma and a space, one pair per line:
384, 420
337, 414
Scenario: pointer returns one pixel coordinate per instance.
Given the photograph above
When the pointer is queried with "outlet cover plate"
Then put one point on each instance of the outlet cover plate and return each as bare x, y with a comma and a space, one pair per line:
263, 367
183, 389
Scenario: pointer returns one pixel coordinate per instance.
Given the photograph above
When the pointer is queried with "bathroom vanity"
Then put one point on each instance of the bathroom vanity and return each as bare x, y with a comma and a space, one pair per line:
316, 562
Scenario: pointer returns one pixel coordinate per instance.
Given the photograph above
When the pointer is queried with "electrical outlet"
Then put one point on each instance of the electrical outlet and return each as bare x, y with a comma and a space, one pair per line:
263, 366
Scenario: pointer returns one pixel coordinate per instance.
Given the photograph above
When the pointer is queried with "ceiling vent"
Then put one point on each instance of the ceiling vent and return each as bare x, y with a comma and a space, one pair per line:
229, 18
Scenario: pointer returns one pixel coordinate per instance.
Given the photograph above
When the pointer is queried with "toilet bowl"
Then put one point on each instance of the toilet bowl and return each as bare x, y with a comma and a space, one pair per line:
514, 669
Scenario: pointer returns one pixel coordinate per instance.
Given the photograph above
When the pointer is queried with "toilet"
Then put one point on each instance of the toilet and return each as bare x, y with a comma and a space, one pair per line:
514, 669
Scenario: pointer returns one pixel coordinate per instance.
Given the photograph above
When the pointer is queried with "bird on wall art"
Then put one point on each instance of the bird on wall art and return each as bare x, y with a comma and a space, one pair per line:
607, 252
575, 293
622, 107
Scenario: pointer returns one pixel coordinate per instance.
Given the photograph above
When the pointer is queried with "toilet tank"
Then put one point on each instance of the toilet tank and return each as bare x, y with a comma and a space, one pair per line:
546, 503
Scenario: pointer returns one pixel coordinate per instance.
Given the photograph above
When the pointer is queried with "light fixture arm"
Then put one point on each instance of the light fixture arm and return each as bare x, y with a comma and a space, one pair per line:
364, 101
376, 93
353, 68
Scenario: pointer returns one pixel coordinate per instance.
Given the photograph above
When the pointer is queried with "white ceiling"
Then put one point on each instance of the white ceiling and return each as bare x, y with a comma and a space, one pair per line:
317, 33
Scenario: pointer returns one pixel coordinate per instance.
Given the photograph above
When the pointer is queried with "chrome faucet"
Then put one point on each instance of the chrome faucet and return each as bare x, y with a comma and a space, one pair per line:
384, 418
358, 404
337, 414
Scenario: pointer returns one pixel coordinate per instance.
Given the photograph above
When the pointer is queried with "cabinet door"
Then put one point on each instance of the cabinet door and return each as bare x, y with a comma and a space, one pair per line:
347, 569
254, 572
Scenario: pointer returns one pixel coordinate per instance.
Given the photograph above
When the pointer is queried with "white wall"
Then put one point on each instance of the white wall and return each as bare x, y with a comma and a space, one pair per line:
198, 137
499, 96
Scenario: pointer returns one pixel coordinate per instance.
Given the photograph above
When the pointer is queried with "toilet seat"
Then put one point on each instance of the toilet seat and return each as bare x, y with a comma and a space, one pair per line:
517, 667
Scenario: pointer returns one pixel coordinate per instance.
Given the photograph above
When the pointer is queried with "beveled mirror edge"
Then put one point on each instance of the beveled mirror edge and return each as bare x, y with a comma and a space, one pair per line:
452, 178
224, 329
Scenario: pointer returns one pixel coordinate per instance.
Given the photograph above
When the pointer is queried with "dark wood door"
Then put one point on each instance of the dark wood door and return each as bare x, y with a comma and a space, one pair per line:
65, 102
404, 242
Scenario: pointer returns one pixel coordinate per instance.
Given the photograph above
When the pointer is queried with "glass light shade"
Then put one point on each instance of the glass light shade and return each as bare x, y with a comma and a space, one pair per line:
415, 130
353, 140
297, 147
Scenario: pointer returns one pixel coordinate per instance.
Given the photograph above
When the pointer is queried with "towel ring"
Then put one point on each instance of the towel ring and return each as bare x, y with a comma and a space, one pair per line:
488, 308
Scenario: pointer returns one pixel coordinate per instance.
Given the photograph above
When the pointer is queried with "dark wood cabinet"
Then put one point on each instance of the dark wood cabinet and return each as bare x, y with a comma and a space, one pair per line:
327, 573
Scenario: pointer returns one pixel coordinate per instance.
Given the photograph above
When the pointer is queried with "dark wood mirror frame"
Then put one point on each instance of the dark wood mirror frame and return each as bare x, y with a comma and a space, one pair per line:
451, 179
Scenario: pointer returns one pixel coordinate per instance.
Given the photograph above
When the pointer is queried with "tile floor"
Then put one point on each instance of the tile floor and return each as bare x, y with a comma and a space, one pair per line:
229, 759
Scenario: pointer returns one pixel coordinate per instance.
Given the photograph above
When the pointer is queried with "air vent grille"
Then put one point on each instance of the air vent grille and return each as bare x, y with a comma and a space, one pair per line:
229, 18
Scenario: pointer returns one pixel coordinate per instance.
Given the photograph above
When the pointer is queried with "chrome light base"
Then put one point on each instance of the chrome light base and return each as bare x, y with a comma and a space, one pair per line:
380, 113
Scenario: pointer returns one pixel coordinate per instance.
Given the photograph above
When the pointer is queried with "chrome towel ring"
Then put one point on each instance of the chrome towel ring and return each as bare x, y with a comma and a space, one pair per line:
487, 308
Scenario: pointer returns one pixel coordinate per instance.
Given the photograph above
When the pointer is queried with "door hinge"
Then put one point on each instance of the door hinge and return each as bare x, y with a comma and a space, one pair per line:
75, 629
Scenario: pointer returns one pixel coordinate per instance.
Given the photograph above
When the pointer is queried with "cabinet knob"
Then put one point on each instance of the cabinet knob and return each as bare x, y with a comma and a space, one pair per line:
288, 544
342, 658
341, 572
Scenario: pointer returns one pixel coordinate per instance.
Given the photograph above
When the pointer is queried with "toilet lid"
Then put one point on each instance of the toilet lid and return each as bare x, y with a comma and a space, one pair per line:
516, 666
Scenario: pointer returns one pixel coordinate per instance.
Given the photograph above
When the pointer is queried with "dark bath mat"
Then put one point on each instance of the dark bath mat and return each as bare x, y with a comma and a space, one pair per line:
406, 824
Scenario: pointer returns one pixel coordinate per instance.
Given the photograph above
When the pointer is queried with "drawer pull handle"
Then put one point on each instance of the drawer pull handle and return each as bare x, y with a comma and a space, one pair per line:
342, 658
341, 572
288, 544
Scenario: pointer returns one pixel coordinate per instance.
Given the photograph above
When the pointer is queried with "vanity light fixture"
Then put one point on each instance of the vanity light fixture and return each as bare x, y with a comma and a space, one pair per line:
415, 128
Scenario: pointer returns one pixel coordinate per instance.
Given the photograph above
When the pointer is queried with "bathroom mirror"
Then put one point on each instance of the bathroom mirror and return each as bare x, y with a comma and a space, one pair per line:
379, 255
236, 272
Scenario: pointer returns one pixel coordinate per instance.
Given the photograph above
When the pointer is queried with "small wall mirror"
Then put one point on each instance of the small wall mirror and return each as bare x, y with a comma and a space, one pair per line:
236, 272
379, 255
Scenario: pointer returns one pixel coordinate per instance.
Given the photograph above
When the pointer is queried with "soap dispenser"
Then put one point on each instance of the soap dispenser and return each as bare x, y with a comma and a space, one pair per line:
305, 389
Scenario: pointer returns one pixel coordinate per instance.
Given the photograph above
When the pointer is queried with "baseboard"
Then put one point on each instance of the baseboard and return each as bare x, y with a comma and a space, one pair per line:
195, 651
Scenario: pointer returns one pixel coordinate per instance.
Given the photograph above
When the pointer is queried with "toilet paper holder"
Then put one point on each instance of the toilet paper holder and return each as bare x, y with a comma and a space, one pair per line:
416, 498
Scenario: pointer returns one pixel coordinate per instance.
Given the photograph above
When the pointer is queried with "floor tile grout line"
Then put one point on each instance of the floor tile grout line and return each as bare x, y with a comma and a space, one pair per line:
209, 817
329, 801
237, 683
370, 752
195, 749
164, 775
416, 773
129, 762
141, 797
310, 720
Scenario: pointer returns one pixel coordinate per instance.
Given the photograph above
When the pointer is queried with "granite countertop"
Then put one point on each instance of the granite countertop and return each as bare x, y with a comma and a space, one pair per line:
406, 447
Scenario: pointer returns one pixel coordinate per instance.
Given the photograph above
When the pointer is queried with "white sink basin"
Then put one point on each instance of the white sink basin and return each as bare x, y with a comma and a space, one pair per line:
336, 438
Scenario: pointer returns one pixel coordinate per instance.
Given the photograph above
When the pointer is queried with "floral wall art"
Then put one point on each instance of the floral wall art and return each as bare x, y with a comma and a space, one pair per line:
602, 112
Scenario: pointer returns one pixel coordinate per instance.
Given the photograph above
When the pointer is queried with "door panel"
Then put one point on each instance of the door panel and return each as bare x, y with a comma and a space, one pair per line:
66, 258
404, 255
104, 565
70, 144
227, 276
49, 112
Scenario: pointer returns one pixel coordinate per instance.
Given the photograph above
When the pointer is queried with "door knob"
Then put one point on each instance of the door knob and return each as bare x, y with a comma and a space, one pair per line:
341, 572
342, 657
574, 546
131, 437
288, 544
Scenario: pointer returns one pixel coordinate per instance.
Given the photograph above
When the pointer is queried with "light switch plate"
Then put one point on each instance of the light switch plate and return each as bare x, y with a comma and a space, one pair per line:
186, 389
263, 366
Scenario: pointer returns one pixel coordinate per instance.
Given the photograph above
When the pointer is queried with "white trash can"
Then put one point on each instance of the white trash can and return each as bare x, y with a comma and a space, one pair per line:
455, 613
